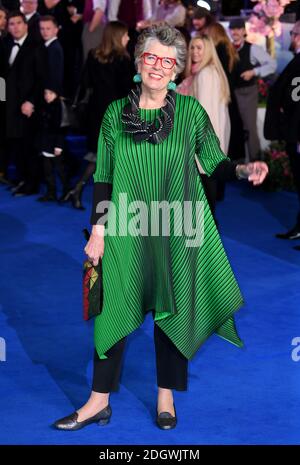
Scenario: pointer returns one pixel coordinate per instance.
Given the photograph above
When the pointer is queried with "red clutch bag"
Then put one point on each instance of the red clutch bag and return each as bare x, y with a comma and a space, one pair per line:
92, 287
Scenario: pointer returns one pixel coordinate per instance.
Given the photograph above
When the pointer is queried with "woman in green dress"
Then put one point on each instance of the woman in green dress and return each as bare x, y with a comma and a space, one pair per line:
151, 147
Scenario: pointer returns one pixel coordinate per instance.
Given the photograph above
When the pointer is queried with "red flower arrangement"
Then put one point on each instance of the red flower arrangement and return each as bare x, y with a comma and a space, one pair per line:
263, 91
280, 176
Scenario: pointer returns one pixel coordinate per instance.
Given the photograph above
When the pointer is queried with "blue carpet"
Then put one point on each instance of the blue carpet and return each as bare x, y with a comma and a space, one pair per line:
235, 396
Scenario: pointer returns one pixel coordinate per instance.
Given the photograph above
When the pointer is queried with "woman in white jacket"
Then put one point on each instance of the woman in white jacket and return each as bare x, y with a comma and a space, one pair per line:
207, 82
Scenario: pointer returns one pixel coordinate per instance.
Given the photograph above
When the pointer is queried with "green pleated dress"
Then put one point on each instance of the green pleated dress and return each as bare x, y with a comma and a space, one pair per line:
192, 289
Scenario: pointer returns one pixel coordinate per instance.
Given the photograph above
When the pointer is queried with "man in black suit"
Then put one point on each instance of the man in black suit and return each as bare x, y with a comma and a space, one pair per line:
29, 8
283, 118
22, 96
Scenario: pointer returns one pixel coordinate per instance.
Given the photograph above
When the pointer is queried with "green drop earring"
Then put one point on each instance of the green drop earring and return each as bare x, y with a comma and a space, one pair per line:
137, 78
171, 85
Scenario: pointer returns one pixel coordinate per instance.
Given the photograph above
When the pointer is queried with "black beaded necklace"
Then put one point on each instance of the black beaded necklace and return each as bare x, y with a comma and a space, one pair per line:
154, 132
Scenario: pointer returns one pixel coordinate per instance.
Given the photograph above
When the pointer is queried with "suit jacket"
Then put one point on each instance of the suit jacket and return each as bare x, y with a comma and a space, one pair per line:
23, 83
282, 120
53, 69
34, 28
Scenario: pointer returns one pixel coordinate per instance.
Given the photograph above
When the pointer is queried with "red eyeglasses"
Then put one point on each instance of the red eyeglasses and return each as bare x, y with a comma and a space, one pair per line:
151, 60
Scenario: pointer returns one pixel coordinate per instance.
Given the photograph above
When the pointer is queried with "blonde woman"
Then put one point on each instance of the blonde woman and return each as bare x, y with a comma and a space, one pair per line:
206, 80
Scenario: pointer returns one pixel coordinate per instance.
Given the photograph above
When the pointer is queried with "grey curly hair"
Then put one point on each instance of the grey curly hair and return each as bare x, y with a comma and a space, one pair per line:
166, 35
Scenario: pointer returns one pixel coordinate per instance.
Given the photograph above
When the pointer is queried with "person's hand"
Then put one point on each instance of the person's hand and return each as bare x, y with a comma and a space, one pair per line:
27, 109
247, 75
76, 18
255, 172
57, 151
142, 24
95, 246
258, 172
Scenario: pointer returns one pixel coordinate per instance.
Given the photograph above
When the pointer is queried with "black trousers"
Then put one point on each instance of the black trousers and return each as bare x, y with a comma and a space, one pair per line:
171, 365
26, 159
50, 165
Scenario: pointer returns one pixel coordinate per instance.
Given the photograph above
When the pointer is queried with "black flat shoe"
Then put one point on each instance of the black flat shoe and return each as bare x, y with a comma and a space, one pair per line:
76, 199
17, 187
294, 233
70, 422
165, 420
5, 181
67, 196
74, 195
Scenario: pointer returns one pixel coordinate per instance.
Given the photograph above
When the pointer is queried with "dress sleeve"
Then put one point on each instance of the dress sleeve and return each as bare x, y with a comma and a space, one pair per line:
208, 150
105, 152
103, 177
102, 193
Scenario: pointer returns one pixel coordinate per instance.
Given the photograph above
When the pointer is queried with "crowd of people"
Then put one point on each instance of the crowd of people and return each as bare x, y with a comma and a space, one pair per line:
51, 50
